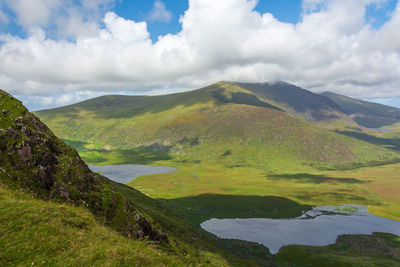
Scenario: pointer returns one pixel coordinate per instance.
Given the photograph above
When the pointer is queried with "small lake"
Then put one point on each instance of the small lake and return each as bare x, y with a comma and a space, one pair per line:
127, 172
317, 227
382, 130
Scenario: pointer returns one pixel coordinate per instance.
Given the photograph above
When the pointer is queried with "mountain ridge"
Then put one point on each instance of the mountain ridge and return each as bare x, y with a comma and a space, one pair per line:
222, 115
365, 113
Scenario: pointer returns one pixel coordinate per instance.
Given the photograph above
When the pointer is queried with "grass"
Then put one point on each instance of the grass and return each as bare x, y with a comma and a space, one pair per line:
40, 233
193, 183
197, 193
349, 250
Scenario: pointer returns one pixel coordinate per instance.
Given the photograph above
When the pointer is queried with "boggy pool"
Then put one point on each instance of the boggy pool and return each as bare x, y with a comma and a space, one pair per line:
127, 172
317, 227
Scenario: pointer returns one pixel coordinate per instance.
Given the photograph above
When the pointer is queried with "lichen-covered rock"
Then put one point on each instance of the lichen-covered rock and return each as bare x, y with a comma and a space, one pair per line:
34, 159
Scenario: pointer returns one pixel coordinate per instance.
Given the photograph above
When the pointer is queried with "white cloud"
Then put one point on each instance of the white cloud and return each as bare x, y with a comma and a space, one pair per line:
160, 13
46, 100
33, 12
67, 18
331, 48
3, 18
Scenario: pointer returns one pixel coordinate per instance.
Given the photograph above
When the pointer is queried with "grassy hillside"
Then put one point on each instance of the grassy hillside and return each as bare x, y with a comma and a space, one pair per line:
37, 232
222, 123
367, 114
54, 210
349, 250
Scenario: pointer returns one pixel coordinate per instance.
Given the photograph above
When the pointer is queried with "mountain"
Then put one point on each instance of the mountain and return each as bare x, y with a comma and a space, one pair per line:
226, 123
54, 210
295, 99
367, 114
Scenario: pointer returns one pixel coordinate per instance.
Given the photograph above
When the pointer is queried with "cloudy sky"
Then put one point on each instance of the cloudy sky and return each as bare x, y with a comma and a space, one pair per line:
57, 52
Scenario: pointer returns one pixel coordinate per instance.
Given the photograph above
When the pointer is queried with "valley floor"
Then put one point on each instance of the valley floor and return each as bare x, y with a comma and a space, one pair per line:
198, 192
376, 187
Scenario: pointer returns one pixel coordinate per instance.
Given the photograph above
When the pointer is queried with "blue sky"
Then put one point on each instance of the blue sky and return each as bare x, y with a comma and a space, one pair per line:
287, 11
138, 10
58, 52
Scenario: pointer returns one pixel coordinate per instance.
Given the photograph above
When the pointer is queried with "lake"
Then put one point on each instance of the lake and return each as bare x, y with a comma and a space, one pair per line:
381, 130
317, 227
127, 172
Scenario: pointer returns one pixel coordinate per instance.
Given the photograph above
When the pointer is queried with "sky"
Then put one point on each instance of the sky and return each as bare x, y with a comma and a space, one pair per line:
58, 52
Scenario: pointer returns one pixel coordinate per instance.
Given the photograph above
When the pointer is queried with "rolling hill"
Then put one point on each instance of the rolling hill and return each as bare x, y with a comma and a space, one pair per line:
367, 114
228, 123
55, 211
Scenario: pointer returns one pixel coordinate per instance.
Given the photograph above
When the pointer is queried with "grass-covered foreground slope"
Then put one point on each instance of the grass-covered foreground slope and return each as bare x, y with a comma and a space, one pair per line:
42, 233
222, 124
54, 210
368, 114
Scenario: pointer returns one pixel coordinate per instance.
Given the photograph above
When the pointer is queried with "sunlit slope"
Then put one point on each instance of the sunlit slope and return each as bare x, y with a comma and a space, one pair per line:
52, 206
221, 123
37, 232
368, 114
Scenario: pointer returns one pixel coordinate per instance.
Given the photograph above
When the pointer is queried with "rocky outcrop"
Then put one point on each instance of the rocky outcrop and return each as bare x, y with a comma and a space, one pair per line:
34, 159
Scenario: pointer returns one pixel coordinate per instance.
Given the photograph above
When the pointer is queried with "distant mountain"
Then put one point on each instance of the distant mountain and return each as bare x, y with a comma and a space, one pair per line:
367, 114
230, 123
312, 106
34, 162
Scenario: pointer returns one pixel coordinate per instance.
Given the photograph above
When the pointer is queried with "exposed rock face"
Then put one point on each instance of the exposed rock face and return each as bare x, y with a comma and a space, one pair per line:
33, 158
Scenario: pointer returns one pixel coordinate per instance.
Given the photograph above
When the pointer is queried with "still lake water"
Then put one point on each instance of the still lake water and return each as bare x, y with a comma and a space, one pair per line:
127, 172
317, 227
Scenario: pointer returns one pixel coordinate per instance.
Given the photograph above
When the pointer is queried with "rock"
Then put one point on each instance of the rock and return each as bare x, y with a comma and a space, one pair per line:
45, 178
65, 193
25, 154
19, 120
4, 111
162, 236
12, 133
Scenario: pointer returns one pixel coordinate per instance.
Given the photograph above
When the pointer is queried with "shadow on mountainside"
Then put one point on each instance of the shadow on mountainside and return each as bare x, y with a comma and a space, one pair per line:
316, 179
140, 155
389, 143
197, 209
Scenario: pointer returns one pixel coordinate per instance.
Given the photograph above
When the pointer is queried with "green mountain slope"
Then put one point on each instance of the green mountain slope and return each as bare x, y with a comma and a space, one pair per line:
367, 114
224, 123
52, 206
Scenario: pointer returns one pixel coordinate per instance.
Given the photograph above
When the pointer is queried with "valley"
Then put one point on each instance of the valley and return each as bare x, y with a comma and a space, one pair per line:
239, 152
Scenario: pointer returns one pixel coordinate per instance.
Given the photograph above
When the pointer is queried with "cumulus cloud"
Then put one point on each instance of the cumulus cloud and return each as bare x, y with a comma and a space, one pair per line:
33, 12
160, 13
65, 18
331, 48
